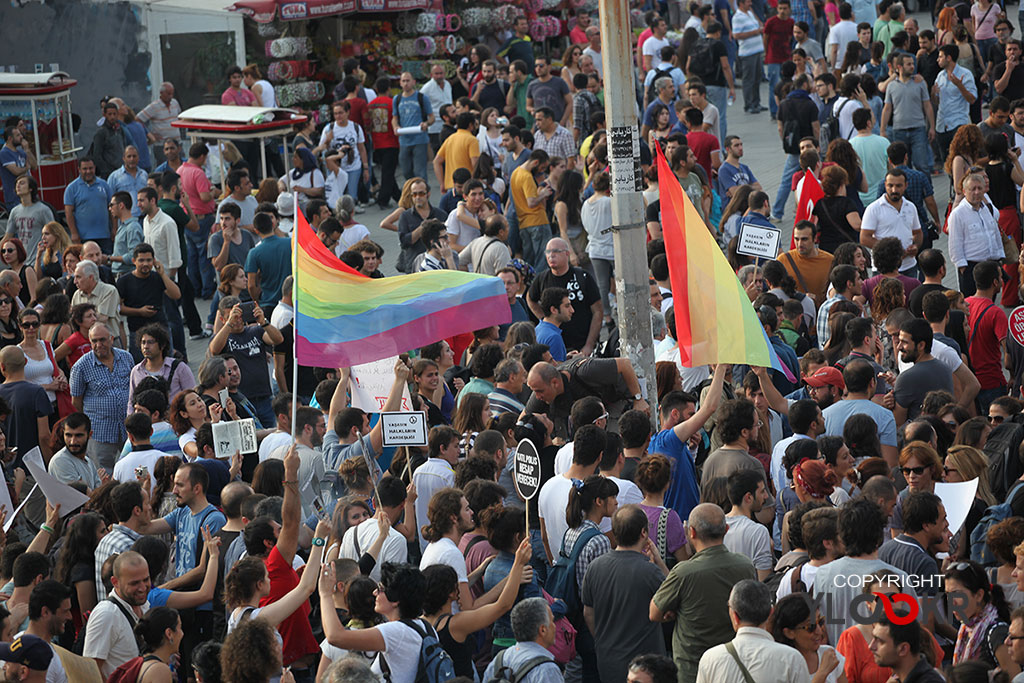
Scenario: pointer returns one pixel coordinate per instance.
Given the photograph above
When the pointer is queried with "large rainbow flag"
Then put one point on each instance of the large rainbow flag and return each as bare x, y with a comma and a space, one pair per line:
715, 322
343, 318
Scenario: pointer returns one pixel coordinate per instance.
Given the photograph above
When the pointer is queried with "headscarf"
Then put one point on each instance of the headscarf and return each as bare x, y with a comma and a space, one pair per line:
815, 477
308, 163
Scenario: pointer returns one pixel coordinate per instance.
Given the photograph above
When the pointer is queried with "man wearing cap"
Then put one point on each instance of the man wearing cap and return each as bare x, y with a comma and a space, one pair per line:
240, 188
825, 386
26, 658
109, 635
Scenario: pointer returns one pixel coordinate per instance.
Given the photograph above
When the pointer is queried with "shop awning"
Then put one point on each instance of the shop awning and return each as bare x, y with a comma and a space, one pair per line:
265, 11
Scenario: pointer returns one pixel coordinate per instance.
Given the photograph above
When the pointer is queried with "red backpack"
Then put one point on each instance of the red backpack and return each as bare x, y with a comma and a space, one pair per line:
130, 671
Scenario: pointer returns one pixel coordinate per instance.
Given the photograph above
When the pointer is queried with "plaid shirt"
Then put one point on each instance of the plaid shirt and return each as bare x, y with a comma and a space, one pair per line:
560, 144
919, 186
595, 548
584, 104
801, 12
104, 393
120, 539
821, 324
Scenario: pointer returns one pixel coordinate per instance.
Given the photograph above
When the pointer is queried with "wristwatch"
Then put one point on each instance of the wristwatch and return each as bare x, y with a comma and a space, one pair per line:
638, 397
318, 541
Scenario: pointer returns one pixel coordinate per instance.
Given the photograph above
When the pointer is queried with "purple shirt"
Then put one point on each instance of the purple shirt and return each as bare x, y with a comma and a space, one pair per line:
675, 537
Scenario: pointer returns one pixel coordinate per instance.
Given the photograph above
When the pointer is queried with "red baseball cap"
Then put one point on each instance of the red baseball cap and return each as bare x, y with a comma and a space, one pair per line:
824, 376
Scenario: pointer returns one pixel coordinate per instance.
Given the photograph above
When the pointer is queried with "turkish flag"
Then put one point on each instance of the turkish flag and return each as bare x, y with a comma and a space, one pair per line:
810, 193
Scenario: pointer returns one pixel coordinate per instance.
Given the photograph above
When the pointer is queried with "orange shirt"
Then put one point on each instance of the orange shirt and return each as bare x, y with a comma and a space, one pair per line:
458, 151
814, 271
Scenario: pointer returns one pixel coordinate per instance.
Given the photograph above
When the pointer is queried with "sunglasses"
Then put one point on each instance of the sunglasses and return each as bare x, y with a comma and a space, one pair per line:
6, 301
813, 626
947, 470
29, 325
914, 470
8, 251
996, 419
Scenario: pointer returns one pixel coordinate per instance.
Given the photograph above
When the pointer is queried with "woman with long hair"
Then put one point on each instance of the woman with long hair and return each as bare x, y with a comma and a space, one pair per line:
944, 25
40, 365
851, 60
887, 296
233, 282
690, 38
732, 214
494, 184
964, 463
838, 346
76, 344
159, 634
390, 222
489, 137
568, 203
14, 256
10, 332
668, 378
984, 617
1003, 539
471, 418
838, 458
571, 65
162, 498
796, 624
596, 215
665, 528
519, 336
268, 190
349, 512
442, 354
360, 597
52, 242
842, 153
268, 478
187, 413
837, 213
55, 316
965, 150
922, 468
70, 257
783, 285
973, 432
662, 128
76, 565
860, 434
853, 254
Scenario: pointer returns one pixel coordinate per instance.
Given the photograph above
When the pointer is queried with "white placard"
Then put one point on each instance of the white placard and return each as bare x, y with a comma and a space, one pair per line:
6, 503
9, 522
371, 385
758, 240
404, 429
53, 490
957, 498
232, 436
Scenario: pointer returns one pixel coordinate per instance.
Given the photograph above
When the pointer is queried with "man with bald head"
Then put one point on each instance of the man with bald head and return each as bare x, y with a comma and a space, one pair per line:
158, 116
584, 327
109, 639
28, 424
695, 591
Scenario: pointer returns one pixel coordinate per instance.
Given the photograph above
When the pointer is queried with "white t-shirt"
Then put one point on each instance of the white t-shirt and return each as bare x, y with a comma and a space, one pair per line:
402, 651
845, 114
446, 552
110, 637
430, 477
629, 494
563, 459
395, 549
747, 537
807, 574
841, 35
652, 48
942, 352
356, 232
741, 23
124, 469
464, 233
351, 134
551, 503
882, 218
273, 440
335, 185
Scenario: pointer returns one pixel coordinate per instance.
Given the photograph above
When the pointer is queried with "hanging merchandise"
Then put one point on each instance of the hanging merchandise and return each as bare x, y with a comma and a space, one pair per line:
304, 91
282, 48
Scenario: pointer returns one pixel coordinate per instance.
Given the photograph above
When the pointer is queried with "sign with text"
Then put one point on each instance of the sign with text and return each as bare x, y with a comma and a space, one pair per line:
624, 155
759, 241
404, 429
1017, 325
526, 469
371, 384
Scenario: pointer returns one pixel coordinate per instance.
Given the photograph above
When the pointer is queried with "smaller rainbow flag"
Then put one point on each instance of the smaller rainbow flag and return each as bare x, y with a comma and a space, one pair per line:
343, 318
715, 322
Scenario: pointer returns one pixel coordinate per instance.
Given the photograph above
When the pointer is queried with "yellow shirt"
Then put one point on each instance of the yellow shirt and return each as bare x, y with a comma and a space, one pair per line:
458, 151
523, 188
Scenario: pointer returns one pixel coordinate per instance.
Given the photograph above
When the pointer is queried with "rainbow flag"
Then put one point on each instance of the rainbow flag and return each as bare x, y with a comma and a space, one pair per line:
343, 318
715, 322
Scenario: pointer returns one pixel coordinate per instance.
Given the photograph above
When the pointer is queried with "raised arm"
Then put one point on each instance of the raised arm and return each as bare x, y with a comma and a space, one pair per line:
279, 610
393, 403
291, 510
684, 430
465, 623
211, 555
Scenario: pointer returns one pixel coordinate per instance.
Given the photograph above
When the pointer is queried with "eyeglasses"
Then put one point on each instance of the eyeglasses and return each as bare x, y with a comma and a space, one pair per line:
1013, 637
951, 424
29, 325
947, 470
6, 301
996, 419
602, 417
914, 470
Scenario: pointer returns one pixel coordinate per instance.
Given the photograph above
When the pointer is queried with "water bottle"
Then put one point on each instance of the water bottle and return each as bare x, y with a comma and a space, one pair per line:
732, 98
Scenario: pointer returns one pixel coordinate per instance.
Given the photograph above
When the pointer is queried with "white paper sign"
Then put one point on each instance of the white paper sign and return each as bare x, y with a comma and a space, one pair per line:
371, 385
404, 429
6, 504
9, 522
957, 499
758, 241
232, 436
54, 491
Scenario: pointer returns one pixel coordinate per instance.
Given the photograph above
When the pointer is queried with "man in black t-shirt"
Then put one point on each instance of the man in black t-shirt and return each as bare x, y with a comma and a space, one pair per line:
797, 119
409, 225
1009, 76
714, 71
582, 330
142, 294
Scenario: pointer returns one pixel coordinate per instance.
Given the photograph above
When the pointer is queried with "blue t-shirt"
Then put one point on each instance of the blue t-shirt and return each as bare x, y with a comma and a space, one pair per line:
552, 336
272, 258
19, 159
410, 113
89, 203
730, 176
719, 6
158, 597
188, 541
839, 412
683, 493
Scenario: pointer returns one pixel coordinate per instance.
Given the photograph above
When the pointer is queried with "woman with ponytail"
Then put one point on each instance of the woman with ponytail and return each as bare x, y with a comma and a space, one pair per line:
159, 635
984, 617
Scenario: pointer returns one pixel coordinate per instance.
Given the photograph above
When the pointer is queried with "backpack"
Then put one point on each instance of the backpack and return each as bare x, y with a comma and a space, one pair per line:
791, 136
420, 99
130, 671
652, 93
980, 552
774, 580
830, 131
1004, 460
435, 665
702, 60
561, 582
504, 674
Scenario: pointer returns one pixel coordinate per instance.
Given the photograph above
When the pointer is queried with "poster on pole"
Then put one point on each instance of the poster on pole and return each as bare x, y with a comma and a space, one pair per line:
1016, 324
526, 469
371, 384
759, 241
404, 429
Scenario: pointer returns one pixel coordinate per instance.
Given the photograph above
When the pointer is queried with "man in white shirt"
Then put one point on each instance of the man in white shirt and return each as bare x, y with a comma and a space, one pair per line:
589, 445
891, 215
974, 234
436, 473
282, 407
612, 461
748, 495
439, 92
140, 429
460, 234
748, 32
841, 35
110, 637
750, 605
359, 539
654, 43
807, 423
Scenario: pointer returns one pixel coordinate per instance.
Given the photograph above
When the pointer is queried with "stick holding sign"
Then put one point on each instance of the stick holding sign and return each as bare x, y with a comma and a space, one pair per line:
526, 473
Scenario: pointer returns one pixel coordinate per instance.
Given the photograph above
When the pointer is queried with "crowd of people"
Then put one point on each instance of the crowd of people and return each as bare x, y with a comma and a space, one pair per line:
758, 532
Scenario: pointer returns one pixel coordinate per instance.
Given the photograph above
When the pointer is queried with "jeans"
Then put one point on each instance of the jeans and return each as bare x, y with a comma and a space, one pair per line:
604, 268
352, 186
719, 96
534, 240
782, 196
772, 71
103, 454
751, 71
387, 159
200, 270
175, 326
264, 411
916, 140
188, 302
414, 161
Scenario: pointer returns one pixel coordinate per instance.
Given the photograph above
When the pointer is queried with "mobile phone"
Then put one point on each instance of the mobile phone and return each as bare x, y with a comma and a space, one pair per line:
223, 396
319, 509
248, 312
141, 471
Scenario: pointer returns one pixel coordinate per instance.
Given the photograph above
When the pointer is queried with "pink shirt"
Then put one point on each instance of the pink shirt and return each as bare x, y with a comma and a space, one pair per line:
241, 97
194, 182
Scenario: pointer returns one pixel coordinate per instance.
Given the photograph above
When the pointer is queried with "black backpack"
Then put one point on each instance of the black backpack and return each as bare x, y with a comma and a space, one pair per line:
652, 92
702, 60
791, 136
774, 580
79, 644
1004, 459
830, 131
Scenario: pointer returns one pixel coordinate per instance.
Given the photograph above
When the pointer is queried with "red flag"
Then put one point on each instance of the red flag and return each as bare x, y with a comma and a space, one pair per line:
810, 193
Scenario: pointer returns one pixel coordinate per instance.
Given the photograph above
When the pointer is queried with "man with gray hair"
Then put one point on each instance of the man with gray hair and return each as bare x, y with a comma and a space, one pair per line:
99, 388
753, 654
91, 290
509, 377
529, 661
10, 284
752, 279
694, 591
665, 88
158, 116
350, 670
213, 378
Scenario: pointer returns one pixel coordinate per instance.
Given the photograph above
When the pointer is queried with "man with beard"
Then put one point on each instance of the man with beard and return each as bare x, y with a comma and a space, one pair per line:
891, 215
310, 428
739, 423
748, 495
490, 92
861, 334
927, 373
110, 639
69, 464
825, 386
410, 225
925, 532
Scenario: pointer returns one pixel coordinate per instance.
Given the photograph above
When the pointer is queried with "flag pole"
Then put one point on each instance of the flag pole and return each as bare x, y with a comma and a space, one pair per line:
295, 322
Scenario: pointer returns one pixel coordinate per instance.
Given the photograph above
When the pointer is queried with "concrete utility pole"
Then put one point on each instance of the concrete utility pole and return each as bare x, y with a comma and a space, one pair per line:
632, 291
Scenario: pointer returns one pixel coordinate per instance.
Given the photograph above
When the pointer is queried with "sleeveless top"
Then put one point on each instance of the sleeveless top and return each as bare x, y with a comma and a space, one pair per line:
267, 96
461, 653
